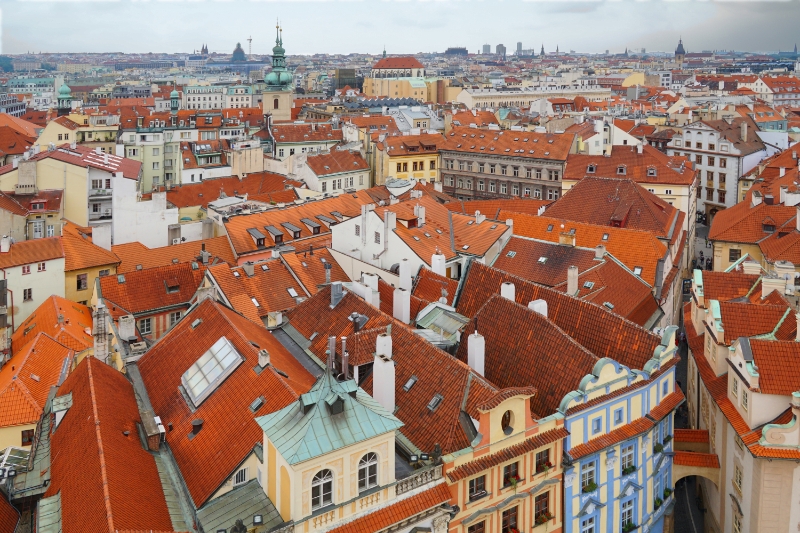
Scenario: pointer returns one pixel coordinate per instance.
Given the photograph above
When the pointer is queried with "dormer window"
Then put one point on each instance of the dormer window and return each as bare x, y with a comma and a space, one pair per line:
651, 171
621, 170
591, 169
768, 228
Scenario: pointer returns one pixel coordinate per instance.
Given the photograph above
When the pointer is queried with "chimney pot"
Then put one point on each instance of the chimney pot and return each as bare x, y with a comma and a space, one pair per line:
599, 251
538, 306
263, 358
476, 352
508, 291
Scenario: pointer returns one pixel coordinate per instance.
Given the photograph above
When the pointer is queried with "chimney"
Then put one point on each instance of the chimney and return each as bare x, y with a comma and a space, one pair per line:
566, 238
263, 358
479, 218
99, 332
60, 318
538, 306
743, 126
781, 172
756, 199
101, 236
371, 281
405, 274
572, 280
383, 372
508, 290
401, 305
328, 268
437, 263
639, 148
354, 319
197, 425
5, 244
599, 251
476, 352
126, 327
345, 359
249, 269
331, 353
751, 268
336, 293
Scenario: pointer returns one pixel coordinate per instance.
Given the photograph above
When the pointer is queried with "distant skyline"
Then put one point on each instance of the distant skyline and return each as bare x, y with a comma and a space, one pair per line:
404, 27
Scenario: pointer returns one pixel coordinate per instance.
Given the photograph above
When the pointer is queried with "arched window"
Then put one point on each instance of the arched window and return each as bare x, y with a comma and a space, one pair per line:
275, 104
322, 489
367, 472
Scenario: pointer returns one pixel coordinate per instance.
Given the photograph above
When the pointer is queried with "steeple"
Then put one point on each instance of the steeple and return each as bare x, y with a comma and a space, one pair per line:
174, 100
384, 50
542, 52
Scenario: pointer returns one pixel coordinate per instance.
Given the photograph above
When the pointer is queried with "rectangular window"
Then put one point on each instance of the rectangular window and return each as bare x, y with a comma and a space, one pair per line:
627, 459
26, 269
480, 527
174, 317
477, 487
240, 477
503, 169
492, 187
712, 147
156, 151
737, 477
324, 186
744, 399
491, 169
104, 272
509, 522
27, 437
587, 525
480, 185
597, 425
515, 190
543, 461
626, 516
503, 188
41, 267
145, 326
481, 167
711, 161
516, 171
82, 282
27, 295
432, 165
735, 391
405, 167
698, 159
618, 416
541, 508
399, 167
529, 173
723, 163
377, 237
510, 472
588, 482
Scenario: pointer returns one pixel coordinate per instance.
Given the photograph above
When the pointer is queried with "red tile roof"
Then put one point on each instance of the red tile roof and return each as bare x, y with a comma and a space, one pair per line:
9, 516
397, 511
257, 183
50, 198
210, 458
487, 461
21, 125
106, 479
308, 266
637, 427
778, 365
10, 204
747, 320
616, 202
745, 224
305, 133
134, 254
143, 291
691, 435
29, 252
85, 157
26, 379
13, 142
492, 208
71, 331
725, 286
505, 143
430, 287
81, 253
336, 162
634, 248
402, 145
600, 331
398, 63
651, 166
478, 117
699, 460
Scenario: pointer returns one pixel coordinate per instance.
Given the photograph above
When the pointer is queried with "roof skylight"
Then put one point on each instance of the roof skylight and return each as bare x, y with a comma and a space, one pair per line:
210, 370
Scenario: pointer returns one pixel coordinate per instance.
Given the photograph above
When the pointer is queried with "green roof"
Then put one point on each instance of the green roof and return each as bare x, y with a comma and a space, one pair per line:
331, 416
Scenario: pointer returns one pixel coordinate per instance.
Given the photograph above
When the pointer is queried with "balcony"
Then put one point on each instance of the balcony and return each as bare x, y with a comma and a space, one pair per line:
419, 478
99, 194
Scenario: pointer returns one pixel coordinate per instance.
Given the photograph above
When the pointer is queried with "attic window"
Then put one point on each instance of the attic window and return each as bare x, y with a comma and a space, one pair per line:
605, 236
768, 228
172, 285
621, 170
255, 302
590, 169
511, 254
292, 292
205, 375
410, 383
549, 227
542, 260
651, 171
588, 284
435, 401
637, 271
609, 305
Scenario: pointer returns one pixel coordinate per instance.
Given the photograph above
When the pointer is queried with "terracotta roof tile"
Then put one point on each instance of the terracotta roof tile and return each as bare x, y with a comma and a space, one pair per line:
14, 142
257, 183
142, 291
71, 332
106, 480
492, 208
429, 286
778, 365
478, 117
616, 202
398, 63
747, 320
29, 252
211, 457
699, 460
81, 253
85, 157
402, 145
725, 286
527, 145
134, 254
634, 248
397, 511
487, 461
667, 405
9, 516
336, 162
691, 435
651, 166
601, 332
305, 133
637, 427
309, 267
745, 224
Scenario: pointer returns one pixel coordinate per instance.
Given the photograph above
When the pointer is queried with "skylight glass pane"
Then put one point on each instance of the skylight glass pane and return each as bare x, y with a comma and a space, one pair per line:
210, 370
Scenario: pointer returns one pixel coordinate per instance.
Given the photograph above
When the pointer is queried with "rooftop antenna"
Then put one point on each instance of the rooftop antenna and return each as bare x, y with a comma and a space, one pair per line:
250, 47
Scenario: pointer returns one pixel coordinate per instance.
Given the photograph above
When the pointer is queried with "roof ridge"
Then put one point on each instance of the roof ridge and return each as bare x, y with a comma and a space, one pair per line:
101, 454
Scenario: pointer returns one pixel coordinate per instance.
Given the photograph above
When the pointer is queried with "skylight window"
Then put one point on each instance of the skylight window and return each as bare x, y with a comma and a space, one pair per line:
255, 302
292, 292
265, 268
549, 227
465, 247
588, 285
435, 401
542, 260
637, 271
511, 254
210, 370
410, 383
605, 236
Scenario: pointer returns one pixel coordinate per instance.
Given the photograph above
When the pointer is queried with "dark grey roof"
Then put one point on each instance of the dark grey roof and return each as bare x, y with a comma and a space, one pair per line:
242, 503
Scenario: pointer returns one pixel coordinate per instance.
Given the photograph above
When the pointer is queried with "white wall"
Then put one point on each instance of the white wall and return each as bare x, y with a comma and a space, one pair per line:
44, 285
147, 222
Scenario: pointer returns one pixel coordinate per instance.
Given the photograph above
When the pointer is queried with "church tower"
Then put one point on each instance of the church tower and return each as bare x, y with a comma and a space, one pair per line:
278, 94
541, 54
64, 100
174, 101
680, 53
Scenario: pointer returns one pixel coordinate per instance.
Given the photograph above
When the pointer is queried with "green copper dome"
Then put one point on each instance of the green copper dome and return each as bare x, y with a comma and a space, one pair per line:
174, 94
64, 91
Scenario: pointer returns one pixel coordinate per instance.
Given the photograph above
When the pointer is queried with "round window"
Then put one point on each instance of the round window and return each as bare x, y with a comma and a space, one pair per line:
506, 423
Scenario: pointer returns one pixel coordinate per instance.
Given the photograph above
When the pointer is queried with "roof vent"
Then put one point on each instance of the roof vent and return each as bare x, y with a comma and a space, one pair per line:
257, 403
196, 322
609, 305
435, 402
197, 425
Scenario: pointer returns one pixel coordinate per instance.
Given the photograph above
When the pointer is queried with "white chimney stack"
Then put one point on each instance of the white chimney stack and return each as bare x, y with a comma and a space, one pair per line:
401, 305
126, 326
476, 352
599, 251
639, 148
405, 274
383, 372
437, 264
782, 172
263, 358
479, 218
538, 306
572, 280
371, 281
5, 244
508, 291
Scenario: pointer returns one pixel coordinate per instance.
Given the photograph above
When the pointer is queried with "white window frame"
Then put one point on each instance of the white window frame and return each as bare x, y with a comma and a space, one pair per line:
323, 484
368, 472
240, 477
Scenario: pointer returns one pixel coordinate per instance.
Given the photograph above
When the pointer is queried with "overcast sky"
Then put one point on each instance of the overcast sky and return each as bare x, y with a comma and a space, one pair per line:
410, 26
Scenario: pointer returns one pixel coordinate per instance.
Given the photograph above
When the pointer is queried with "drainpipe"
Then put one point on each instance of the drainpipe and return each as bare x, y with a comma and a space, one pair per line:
12, 309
